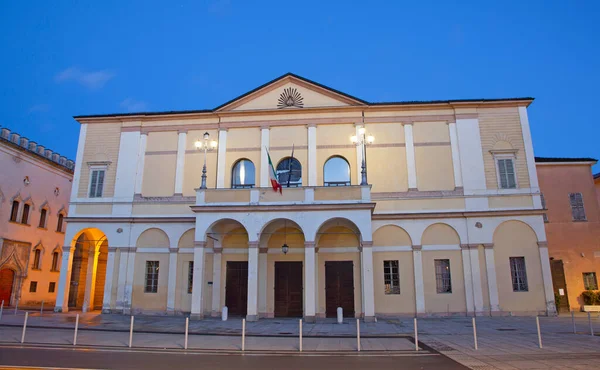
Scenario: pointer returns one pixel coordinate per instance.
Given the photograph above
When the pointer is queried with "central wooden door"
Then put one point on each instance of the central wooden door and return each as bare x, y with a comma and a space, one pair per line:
288, 289
7, 279
339, 288
558, 281
236, 288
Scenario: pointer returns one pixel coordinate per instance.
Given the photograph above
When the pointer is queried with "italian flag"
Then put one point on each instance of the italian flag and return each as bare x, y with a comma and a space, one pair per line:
273, 175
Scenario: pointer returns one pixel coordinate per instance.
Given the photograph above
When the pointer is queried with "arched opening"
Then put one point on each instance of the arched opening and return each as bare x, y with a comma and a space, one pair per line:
336, 172
88, 270
243, 174
289, 172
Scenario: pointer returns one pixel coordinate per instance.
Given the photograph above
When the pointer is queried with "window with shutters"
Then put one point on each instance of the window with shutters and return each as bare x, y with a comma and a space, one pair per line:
589, 281
97, 176
14, 212
190, 277
576, 200
151, 277
505, 170
545, 215
443, 280
391, 277
518, 274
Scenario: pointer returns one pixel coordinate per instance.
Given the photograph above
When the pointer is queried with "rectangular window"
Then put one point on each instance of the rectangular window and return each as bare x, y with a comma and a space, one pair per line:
391, 277
14, 212
589, 281
55, 261
518, 274
506, 173
151, 277
545, 215
25, 217
33, 287
443, 280
43, 214
51, 287
37, 254
190, 277
97, 183
576, 200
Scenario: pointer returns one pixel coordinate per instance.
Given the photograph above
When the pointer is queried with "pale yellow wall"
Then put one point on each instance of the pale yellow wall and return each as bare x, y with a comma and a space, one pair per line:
387, 169
236, 238
321, 259
444, 302
387, 206
162, 141
150, 301
187, 239
159, 175
337, 236
502, 124
440, 234
227, 195
434, 168
153, 238
271, 259
520, 201
391, 235
431, 132
288, 135
94, 209
101, 145
516, 239
289, 235
394, 303
287, 195
338, 193
183, 300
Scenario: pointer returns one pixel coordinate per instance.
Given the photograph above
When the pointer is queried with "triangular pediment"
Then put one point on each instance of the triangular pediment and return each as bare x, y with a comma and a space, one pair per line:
290, 92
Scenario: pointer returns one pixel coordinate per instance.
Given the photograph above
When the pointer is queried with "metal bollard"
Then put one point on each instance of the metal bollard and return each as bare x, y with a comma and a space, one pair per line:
243, 334
300, 331
42, 309
340, 315
537, 321
475, 333
224, 313
591, 326
416, 335
131, 332
76, 328
187, 324
573, 321
24, 327
358, 335
1, 309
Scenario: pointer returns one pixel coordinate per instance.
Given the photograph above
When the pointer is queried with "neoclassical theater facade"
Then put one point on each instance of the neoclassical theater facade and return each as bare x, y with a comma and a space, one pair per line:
444, 218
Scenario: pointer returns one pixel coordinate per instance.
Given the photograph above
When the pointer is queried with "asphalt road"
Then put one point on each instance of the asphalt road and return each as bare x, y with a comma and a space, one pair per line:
86, 358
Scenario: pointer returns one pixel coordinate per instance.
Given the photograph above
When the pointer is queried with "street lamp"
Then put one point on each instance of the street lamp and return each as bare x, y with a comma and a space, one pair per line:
363, 140
206, 146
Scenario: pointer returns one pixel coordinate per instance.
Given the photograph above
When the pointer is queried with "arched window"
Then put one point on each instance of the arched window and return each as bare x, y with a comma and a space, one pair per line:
25, 217
14, 211
243, 174
37, 259
59, 225
43, 214
54, 261
289, 173
336, 172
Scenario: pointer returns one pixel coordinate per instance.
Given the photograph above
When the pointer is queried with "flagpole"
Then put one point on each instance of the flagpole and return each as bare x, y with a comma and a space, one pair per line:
290, 167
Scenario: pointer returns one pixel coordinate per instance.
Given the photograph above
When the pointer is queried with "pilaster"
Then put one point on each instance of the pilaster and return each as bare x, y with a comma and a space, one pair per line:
62, 294
172, 280
419, 287
197, 311
252, 312
180, 164
221, 157
410, 156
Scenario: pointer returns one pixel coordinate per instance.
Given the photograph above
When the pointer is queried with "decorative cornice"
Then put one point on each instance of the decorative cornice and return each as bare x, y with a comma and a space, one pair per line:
437, 143
409, 120
421, 216
233, 150
182, 131
415, 193
162, 152
283, 207
176, 198
467, 115
133, 220
131, 129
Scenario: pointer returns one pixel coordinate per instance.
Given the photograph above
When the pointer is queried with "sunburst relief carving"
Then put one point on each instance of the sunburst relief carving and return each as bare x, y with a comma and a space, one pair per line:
290, 97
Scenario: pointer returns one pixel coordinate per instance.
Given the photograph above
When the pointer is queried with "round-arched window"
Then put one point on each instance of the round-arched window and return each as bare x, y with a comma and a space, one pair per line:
289, 172
336, 172
243, 174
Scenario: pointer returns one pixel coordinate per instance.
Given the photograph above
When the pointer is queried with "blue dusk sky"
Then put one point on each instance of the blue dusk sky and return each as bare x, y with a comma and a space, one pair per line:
66, 58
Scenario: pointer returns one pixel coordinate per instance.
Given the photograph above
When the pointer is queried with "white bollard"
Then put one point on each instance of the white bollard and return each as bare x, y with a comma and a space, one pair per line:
590, 322
358, 335
187, 323
243, 334
1, 309
224, 313
131, 332
42, 309
76, 328
416, 335
537, 321
340, 315
300, 331
475, 333
24, 327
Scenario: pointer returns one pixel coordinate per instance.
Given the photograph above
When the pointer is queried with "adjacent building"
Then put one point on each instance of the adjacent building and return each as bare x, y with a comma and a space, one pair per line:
393, 208
35, 184
572, 227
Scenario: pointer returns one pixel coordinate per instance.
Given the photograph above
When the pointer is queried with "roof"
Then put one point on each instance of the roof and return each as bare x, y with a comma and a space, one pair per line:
563, 160
597, 175
289, 74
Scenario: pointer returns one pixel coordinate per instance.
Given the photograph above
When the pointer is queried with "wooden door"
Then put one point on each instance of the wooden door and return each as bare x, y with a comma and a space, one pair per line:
288, 289
75, 277
559, 282
236, 288
7, 279
339, 288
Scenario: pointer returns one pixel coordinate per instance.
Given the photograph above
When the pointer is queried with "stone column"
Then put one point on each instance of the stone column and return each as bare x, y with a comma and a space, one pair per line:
198, 281
221, 153
252, 314
262, 281
410, 156
122, 278
310, 304
180, 164
419, 288
172, 281
64, 280
312, 155
90, 278
547, 278
368, 287
129, 281
264, 160
455, 154
490, 267
108, 283
216, 279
